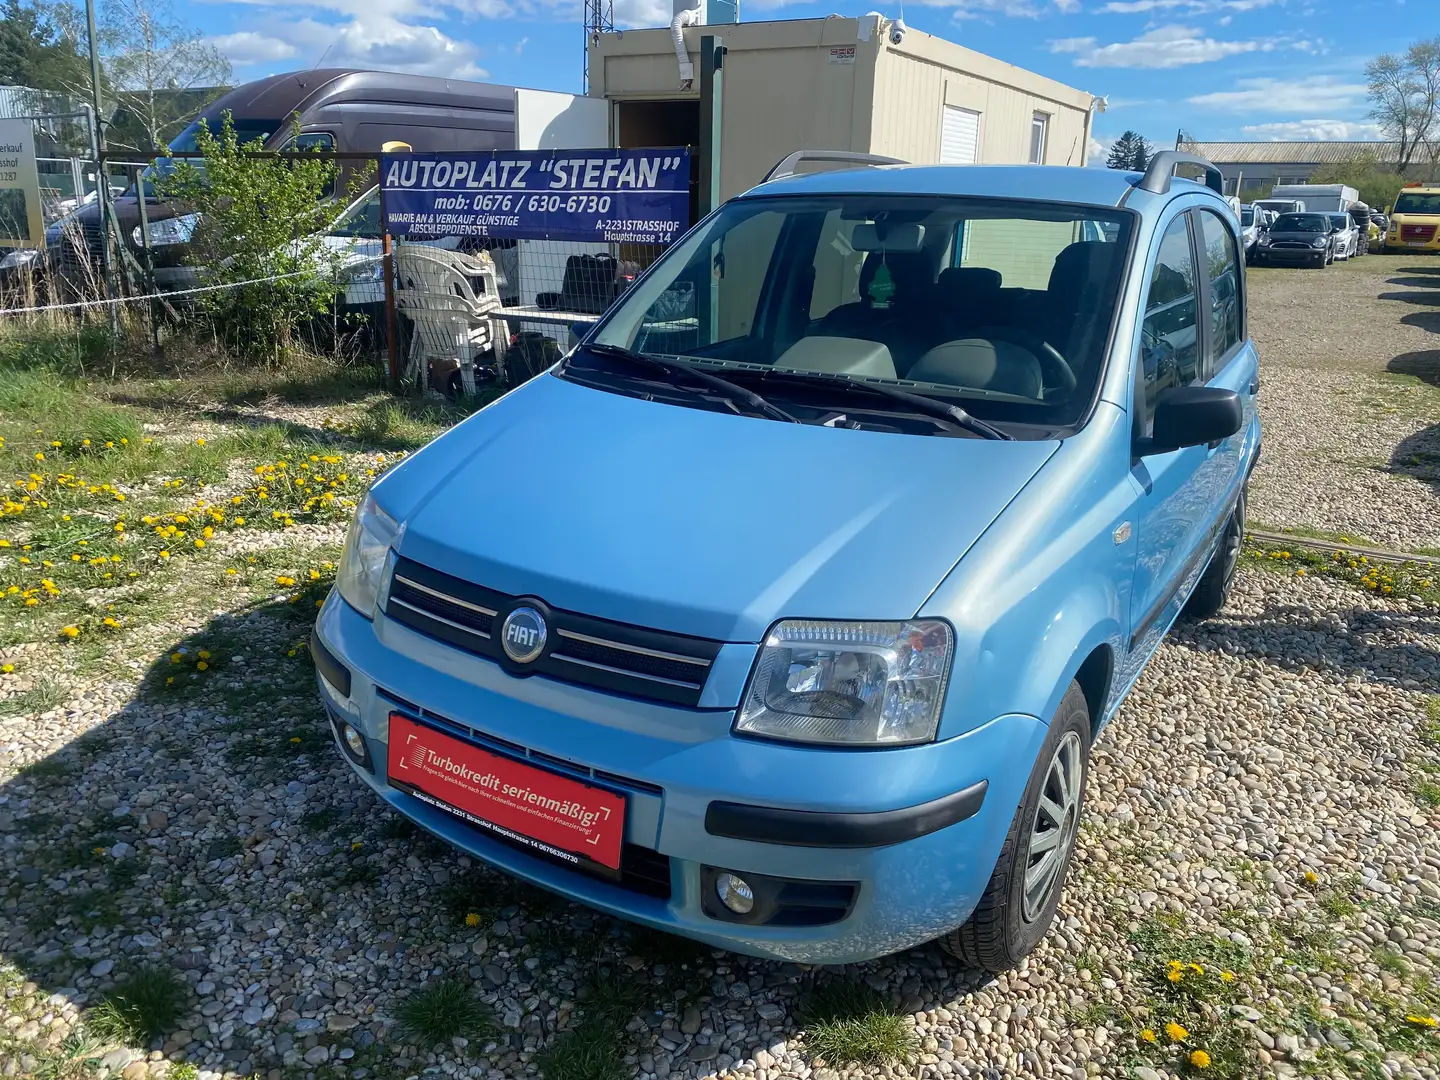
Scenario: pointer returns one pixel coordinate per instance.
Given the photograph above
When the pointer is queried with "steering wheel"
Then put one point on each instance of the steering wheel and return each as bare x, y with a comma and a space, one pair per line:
1052, 364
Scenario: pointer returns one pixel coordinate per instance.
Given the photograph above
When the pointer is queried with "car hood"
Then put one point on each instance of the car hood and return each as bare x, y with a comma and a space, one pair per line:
693, 521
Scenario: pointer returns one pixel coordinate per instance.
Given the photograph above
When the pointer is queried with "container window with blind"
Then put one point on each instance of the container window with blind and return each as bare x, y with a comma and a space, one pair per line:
959, 136
1039, 130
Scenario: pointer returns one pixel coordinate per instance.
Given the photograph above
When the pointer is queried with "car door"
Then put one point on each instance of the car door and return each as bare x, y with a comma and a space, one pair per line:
1172, 490
1230, 361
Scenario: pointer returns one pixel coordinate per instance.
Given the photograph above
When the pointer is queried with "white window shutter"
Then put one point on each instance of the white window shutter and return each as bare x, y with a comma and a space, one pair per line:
959, 137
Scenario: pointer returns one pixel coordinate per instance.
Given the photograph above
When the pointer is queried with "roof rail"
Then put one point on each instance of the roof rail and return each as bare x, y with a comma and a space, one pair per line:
849, 157
1162, 168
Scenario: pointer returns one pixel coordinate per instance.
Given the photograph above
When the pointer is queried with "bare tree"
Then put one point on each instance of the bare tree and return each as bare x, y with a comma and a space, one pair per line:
152, 60
1405, 97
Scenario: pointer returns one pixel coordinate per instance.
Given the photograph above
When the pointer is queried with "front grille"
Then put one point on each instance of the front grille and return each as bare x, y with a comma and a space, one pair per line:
642, 870
606, 655
1423, 233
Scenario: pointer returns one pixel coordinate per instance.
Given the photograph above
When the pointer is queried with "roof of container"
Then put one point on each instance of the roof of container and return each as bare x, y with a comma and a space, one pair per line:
1053, 183
1296, 153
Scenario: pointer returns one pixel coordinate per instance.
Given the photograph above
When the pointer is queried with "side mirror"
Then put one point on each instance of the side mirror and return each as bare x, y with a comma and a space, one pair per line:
1193, 416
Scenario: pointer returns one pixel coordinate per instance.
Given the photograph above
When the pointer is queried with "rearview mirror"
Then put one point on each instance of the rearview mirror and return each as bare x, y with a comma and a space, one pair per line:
1192, 416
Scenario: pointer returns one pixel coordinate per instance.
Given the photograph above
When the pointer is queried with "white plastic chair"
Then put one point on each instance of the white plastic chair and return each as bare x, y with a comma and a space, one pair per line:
451, 320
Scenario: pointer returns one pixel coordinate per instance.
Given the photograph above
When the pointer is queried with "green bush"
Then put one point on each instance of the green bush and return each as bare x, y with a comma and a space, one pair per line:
258, 231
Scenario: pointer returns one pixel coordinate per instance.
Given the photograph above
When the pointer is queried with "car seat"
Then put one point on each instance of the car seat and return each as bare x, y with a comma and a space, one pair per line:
967, 297
1072, 304
897, 317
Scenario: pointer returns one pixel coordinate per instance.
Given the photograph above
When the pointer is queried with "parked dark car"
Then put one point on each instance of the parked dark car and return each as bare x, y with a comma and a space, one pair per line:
337, 109
1297, 240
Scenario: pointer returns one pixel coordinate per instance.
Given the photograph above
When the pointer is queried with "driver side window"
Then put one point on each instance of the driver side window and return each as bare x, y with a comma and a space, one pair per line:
1169, 340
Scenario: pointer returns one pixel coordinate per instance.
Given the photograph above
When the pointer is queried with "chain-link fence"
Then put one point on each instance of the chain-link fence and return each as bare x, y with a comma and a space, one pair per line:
450, 313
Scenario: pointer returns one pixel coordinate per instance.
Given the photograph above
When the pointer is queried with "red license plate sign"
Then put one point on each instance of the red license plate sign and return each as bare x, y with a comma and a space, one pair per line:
553, 814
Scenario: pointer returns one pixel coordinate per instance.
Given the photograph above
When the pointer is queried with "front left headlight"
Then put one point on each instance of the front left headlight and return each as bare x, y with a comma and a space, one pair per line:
1320, 241
362, 564
176, 230
849, 683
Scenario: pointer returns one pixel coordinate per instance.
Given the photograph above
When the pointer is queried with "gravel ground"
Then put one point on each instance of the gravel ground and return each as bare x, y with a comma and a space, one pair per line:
1258, 862
1350, 361
1259, 749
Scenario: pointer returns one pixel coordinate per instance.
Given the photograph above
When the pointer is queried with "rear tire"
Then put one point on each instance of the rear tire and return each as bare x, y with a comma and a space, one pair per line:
1213, 591
1009, 921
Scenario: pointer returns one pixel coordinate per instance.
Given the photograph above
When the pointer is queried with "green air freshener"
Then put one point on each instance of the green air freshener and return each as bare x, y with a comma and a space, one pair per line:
882, 286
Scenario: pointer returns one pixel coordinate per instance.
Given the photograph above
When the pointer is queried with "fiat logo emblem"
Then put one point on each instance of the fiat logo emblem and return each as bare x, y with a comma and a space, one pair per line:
523, 634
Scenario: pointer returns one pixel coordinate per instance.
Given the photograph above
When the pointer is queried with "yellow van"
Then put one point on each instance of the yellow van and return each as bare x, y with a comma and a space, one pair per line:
1414, 220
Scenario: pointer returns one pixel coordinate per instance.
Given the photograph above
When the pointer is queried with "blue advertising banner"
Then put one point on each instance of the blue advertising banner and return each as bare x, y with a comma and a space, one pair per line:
596, 196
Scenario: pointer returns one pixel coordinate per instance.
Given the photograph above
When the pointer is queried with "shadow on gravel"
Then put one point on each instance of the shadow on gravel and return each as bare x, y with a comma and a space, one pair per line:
1427, 268
1425, 299
1415, 282
1423, 365
1359, 642
208, 834
1425, 320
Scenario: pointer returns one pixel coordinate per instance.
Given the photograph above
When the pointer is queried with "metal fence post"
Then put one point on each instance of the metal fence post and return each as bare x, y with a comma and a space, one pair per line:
139, 182
387, 269
712, 87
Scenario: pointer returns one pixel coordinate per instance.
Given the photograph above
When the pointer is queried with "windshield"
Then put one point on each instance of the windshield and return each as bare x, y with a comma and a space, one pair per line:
1339, 221
362, 219
1247, 215
188, 142
1301, 223
1415, 203
1004, 305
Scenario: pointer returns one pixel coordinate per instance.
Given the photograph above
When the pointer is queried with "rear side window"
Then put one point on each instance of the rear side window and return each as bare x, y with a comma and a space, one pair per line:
1169, 341
1222, 267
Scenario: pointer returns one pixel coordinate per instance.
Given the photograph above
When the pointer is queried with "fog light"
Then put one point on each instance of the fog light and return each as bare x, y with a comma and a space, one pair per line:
735, 893
354, 740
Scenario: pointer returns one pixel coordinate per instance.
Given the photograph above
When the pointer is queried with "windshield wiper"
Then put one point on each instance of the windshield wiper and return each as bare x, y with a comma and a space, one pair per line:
676, 369
929, 406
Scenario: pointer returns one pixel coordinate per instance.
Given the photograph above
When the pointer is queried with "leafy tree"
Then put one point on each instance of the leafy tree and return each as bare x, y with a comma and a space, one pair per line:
41, 48
1377, 185
156, 63
1405, 97
257, 231
1131, 151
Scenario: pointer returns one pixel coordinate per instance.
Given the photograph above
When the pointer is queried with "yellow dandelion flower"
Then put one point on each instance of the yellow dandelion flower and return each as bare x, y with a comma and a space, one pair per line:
170, 681
1311, 877
1148, 1035
7, 669
201, 666
1200, 1059
164, 554
1423, 1021
356, 845
472, 919
71, 632
231, 570
1227, 976
1175, 974
110, 621
203, 654
199, 543
1175, 1033
39, 456
176, 657
1196, 968
294, 738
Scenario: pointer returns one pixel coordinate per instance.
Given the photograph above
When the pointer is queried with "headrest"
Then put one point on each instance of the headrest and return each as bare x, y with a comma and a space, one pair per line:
969, 280
1080, 263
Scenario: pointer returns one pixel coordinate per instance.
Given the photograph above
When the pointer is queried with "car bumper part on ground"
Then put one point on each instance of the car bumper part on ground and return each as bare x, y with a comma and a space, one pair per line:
898, 843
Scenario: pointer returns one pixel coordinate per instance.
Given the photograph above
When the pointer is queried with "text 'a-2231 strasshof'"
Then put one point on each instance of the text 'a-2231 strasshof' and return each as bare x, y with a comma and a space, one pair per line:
783, 612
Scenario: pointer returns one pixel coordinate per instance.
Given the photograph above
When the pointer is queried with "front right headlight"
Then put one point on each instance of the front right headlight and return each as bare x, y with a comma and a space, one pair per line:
362, 564
176, 230
849, 683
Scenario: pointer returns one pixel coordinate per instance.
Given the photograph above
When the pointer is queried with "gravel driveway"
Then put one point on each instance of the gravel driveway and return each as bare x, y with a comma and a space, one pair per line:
1256, 891
1350, 365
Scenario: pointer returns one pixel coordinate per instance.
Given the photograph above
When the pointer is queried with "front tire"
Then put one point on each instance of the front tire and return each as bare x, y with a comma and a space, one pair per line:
1019, 902
1213, 591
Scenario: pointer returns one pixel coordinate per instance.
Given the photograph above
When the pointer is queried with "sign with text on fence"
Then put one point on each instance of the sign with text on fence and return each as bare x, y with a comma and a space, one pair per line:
596, 196
21, 224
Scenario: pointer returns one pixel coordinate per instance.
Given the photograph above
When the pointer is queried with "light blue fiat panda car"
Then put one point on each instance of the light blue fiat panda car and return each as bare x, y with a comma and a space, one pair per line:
784, 611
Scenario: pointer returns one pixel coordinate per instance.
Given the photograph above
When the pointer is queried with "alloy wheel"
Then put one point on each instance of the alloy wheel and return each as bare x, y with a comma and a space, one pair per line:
1056, 820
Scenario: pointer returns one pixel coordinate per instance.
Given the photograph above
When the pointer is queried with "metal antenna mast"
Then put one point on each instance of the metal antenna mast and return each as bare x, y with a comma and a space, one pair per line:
599, 19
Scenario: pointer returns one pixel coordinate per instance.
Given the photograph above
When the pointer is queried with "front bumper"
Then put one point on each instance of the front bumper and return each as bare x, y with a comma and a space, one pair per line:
916, 830
1289, 256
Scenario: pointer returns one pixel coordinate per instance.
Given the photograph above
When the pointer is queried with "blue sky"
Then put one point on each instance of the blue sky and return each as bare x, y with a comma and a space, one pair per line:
1222, 69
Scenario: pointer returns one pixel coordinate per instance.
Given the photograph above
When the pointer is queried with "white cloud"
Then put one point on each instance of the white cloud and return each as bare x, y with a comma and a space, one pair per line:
1099, 150
1315, 93
1163, 47
379, 41
1067, 7
1189, 7
249, 47
1312, 130
520, 45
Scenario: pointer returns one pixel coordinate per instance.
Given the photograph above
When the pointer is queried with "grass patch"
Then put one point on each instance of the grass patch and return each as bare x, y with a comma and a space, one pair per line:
590, 1052
144, 1005
396, 827
51, 768
442, 1011
322, 820
847, 1023
1428, 792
